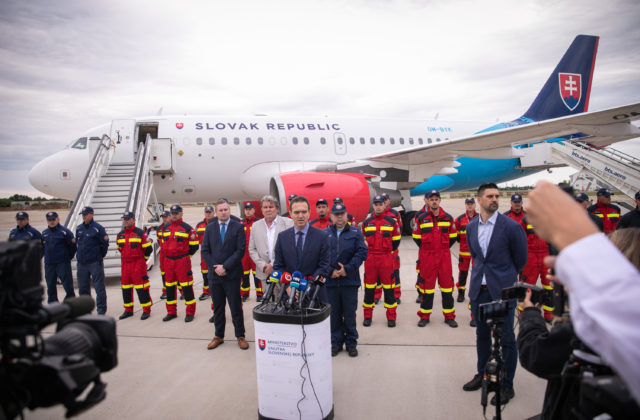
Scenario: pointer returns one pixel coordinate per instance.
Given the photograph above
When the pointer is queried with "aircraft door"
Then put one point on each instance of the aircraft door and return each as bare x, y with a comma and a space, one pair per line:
123, 136
340, 143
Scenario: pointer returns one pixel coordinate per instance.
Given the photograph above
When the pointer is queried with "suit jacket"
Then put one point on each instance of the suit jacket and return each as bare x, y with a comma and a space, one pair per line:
315, 253
259, 243
229, 253
506, 256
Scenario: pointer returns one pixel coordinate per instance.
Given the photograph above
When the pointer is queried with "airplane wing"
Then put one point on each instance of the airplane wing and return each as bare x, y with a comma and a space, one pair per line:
598, 128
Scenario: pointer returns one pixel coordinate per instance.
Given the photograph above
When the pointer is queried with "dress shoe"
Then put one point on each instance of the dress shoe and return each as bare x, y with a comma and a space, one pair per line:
460, 295
212, 320
188, 318
145, 315
335, 351
258, 298
472, 323
126, 315
423, 322
203, 297
242, 343
451, 322
353, 352
169, 317
474, 384
215, 343
366, 322
163, 296
419, 299
505, 395
391, 323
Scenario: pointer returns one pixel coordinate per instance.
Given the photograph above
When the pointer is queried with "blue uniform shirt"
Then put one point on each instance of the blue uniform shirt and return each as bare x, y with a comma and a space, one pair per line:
59, 245
25, 233
348, 248
93, 242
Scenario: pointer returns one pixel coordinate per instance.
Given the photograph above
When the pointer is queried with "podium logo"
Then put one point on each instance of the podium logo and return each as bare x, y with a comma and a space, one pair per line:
262, 344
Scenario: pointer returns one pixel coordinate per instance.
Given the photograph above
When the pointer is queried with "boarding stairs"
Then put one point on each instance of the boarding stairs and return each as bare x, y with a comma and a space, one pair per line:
111, 189
608, 165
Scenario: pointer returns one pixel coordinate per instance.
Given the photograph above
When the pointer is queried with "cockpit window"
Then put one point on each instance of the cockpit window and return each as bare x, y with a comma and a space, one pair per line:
81, 143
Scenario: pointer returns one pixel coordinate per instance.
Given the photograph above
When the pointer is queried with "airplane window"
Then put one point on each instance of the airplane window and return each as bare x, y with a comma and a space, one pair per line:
224, 141
199, 141
81, 143
361, 140
323, 140
212, 141
260, 140
381, 140
94, 138
352, 140
236, 140
339, 140
437, 139
401, 140
294, 140
248, 140
429, 140
372, 140
410, 140
392, 140
306, 140
420, 140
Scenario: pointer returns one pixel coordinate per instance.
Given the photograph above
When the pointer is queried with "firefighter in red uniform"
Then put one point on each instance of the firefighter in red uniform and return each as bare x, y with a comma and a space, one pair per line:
537, 250
609, 213
160, 239
464, 260
180, 243
322, 221
435, 232
135, 248
248, 266
382, 234
516, 212
397, 291
209, 213
418, 279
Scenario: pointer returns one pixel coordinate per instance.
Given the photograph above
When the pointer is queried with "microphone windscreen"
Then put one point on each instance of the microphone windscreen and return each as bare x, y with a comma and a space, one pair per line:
80, 305
285, 278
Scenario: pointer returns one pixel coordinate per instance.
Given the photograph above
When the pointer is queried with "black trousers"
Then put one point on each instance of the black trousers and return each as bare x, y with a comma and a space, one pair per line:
223, 290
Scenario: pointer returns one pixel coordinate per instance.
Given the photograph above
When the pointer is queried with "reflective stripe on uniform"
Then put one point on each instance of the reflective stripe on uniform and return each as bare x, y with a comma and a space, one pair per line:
395, 304
465, 254
185, 284
416, 236
127, 286
396, 238
448, 311
426, 225
425, 311
547, 287
128, 305
183, 234
171, 284
172, 302
369, 228
386, 227
547, 308
370, 286
135, 240
388, 286
371, 305
189, 302
444, 223
446, 290
144, 305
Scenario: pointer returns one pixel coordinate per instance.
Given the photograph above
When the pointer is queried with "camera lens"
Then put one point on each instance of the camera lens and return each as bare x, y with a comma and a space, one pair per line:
74, 338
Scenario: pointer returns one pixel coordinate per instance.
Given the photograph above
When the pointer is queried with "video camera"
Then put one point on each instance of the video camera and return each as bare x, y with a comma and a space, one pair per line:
37, 372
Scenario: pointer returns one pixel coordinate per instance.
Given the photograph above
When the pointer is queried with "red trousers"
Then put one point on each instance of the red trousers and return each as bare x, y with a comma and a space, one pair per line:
535, 268
397, 291
436, 265
134, 275
379, 267
178, 272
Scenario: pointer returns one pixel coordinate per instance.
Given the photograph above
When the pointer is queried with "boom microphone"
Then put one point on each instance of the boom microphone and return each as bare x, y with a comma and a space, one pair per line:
285, 279
295, 285
273, 279
318, 282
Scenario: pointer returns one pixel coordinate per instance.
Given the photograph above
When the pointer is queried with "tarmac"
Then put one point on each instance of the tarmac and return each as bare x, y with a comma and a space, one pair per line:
165, 370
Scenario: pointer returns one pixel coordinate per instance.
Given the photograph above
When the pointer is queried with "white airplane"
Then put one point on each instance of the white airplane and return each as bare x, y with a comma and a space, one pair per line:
204, 157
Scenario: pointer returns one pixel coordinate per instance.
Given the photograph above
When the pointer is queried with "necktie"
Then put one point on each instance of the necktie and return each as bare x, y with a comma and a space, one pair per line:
223, 230
299, 247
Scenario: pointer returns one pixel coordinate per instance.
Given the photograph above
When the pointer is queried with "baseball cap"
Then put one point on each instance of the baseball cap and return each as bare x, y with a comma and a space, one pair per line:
52, 215
581, 197
378, 199
208, 209
128, 215
86, 210
432, 192
516, 198
321, 201
338, 200
165, 213
338, 208
249, 205
292, 196
604, 191
469, 201
22, 215
385, 196
175, 209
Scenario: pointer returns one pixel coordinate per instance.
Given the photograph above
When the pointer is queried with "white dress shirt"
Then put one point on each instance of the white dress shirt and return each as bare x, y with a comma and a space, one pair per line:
271, 236
604, 298
485, 230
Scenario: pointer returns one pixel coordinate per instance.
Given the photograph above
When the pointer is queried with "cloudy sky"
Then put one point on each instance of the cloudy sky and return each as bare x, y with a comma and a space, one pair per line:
66, 66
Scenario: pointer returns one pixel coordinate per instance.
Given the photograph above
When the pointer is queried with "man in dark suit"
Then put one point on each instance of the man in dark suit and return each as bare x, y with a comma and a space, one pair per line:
222, 248
498, 246
302, 247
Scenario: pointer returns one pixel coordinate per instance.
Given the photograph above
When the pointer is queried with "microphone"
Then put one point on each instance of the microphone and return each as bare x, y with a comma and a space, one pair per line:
69, 308
302, 288
318, 282
273, 279
295, 284
285, 279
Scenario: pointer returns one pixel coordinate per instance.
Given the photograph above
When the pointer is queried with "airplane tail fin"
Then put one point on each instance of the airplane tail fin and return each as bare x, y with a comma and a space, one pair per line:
567, 90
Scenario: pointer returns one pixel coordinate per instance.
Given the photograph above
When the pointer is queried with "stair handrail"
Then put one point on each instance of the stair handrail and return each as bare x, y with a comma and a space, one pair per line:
133, 187
623, 157
140, 186
97, 167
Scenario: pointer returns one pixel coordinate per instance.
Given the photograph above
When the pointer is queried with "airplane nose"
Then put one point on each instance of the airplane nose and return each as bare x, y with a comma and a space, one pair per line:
38, 177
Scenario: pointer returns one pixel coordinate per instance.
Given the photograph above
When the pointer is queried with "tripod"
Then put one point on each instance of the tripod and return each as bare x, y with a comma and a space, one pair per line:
494, 369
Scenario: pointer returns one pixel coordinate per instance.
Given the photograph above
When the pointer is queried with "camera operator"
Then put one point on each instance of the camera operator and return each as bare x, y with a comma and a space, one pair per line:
604, 286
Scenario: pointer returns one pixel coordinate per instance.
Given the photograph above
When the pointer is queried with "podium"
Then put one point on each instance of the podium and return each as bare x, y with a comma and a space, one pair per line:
293, 362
